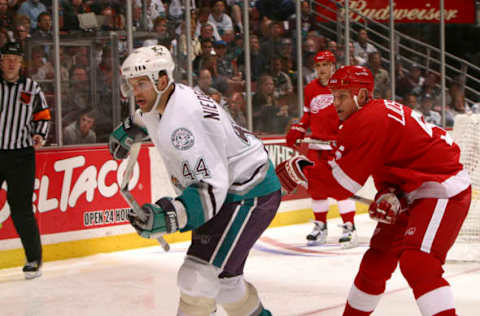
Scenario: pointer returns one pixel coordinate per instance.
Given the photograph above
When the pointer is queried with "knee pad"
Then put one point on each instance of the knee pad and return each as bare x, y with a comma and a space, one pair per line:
231, 290
198, 279
346, 206
422, 271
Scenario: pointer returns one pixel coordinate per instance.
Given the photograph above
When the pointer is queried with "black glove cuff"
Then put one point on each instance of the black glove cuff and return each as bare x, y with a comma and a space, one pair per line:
304, 163
171, 221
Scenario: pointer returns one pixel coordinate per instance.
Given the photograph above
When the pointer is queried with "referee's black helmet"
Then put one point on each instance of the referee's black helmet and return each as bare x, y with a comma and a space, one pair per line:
12, 48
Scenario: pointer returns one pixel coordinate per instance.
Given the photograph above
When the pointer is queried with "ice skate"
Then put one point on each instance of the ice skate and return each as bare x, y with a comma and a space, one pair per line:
319, 233
349, 237
32, 270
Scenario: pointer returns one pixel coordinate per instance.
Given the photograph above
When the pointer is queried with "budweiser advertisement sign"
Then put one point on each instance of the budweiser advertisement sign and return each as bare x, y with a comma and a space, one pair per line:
79, 189
405, 11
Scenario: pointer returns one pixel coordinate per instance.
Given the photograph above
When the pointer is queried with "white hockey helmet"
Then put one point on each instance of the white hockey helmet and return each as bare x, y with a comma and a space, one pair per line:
148, 61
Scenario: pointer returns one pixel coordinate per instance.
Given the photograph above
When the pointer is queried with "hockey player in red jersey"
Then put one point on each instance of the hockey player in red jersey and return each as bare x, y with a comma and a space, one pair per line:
423, 191
322, 119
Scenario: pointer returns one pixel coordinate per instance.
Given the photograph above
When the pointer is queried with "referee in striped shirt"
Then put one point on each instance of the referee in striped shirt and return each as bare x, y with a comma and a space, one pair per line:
24, 122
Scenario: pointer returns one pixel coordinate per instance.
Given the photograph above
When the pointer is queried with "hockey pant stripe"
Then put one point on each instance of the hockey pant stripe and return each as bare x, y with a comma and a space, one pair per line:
433, 225
233, 232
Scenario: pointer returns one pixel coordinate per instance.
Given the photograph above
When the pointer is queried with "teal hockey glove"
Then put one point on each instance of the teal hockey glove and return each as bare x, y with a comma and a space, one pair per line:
154, 219
123, 136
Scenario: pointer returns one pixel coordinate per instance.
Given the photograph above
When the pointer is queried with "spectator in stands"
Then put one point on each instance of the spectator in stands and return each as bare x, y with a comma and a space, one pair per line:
411, 101
307, 22
286, 48
429, 115
6, 19
455, 87
272, 42
218, 17
237, 109
430, 88
224, 67
105, 73
332, 46
320, 40
44, 26
3, 38
363, 48
403, 84
217, 96
236, 14
204, 81
268, 116
281, 81
77, 99
309, 73
341, 60
207, 51
181, 59
153, 9
203, 19
258, 61
457, 106
32, 9
80, 131
113, 20
36, 62
381, 76
309, 46
80, 56
416, 79
46, 72
69, 9
161, 36
21, 34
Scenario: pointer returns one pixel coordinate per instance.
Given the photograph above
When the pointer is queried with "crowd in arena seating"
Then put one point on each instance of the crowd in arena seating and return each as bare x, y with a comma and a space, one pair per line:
217, 33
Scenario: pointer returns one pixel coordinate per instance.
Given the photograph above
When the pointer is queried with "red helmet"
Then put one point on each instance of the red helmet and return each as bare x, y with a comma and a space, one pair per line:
325, 55
352, 78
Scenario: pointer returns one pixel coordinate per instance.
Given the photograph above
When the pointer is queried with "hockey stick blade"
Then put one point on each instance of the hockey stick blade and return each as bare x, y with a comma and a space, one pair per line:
127, 195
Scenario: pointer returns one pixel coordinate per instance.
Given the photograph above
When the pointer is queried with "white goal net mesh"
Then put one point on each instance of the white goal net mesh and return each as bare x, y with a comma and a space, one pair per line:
466, 133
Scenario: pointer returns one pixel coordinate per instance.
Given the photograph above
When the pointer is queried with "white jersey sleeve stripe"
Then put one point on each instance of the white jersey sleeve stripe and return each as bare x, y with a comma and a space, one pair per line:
343, 179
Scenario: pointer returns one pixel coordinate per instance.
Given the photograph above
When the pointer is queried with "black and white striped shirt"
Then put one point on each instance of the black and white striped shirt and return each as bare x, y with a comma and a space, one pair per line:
23, 113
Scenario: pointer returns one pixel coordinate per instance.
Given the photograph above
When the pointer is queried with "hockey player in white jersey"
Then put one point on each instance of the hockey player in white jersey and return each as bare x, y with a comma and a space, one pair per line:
227, 188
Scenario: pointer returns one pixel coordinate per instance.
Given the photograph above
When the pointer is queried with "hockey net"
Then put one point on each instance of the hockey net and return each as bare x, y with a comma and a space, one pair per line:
466, 133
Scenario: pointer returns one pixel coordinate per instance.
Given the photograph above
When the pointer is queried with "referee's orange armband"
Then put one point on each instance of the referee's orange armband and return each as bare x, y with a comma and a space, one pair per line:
43, 115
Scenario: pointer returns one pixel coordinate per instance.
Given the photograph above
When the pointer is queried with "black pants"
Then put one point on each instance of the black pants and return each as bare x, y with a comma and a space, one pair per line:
17, 167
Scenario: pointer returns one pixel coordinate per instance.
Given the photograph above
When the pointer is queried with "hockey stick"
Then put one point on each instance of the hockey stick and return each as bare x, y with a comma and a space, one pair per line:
361, 199
309, 140
127, 195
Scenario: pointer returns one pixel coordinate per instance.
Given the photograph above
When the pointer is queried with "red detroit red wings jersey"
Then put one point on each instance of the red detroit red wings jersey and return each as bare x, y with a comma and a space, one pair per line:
319, 113
393, 144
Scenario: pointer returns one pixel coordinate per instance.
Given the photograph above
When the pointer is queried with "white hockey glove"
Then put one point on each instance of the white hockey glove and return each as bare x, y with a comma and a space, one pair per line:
387, 205
123, 136
290, 172
156, 219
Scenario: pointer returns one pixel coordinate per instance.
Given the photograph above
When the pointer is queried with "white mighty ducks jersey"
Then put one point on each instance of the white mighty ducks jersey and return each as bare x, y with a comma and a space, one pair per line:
210, 159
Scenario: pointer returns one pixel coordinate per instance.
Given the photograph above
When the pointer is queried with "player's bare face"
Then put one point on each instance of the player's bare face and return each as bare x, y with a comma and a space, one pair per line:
344, 103
144, 92
324, 71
